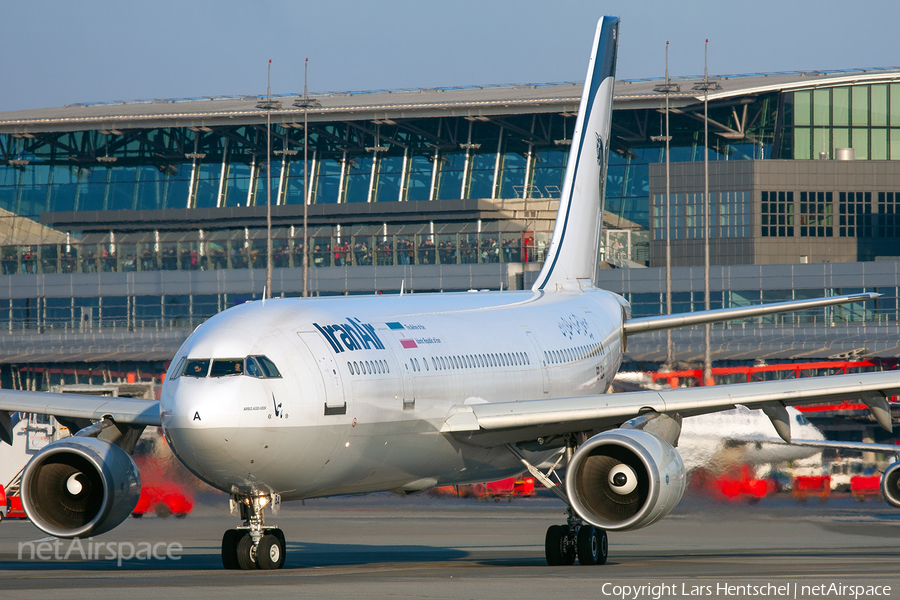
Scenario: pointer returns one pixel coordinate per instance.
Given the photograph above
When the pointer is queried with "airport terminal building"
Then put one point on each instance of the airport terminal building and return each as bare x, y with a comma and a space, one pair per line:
125, 224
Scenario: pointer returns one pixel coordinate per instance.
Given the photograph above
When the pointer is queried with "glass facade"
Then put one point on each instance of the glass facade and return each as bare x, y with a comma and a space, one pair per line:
861, 116
440, 158
363, 245
731, 215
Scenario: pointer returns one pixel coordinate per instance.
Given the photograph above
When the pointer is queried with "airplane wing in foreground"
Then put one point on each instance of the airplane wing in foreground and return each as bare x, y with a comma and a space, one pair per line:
74, 408
830, 444
541, 421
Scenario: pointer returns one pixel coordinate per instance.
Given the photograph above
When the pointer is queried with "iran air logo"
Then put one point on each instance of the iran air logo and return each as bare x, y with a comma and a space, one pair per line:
350, 335
574, 325
599, 149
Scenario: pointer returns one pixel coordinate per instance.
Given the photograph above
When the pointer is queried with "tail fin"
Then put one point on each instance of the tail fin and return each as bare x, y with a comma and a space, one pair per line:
574, 249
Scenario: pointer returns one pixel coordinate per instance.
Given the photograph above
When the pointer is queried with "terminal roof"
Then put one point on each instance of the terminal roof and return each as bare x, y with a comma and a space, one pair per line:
413, 103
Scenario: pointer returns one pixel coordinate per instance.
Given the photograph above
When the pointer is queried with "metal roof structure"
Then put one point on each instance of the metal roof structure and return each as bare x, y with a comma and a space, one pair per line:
378, 105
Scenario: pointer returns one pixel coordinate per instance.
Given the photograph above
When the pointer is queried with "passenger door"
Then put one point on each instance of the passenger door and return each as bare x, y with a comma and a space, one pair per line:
335, 401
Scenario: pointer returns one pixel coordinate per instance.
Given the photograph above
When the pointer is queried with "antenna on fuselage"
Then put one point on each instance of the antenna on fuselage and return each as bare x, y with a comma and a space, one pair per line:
264, 296
402, 285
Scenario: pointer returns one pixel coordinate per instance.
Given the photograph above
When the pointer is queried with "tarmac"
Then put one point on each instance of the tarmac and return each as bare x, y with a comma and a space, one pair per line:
381, 546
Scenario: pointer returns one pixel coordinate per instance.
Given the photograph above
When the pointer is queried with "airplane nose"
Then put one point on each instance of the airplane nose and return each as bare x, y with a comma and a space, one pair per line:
198, 419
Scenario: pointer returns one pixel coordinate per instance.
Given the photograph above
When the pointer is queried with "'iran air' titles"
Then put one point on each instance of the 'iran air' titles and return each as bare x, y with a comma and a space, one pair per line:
352, 335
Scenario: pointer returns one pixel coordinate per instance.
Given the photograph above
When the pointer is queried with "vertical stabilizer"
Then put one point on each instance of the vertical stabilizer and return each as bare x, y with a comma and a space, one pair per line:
574, 249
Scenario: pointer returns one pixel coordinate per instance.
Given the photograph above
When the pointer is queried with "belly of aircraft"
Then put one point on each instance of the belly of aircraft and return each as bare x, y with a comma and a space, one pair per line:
306, 462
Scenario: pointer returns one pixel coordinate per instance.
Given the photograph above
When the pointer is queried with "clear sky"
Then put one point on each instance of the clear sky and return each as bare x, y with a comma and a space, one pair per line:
62, 52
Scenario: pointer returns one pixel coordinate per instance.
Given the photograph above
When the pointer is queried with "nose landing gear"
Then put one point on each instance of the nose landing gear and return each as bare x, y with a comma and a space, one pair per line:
253, 545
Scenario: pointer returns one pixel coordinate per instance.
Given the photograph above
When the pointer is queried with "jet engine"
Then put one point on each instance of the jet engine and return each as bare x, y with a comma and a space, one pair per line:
80, 487
890, 485
625, 479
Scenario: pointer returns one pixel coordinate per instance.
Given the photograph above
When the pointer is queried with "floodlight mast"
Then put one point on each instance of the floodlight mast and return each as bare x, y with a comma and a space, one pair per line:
667, 89
305, 103
706, 85
268, 106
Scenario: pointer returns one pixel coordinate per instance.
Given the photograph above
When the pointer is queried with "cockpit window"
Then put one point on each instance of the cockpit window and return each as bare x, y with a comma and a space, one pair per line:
223, 367
179, 368
196, 367
253, 369
268, 366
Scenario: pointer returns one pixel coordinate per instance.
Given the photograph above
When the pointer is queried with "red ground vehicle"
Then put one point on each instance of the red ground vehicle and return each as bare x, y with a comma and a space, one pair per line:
737, 484
865, 487
163, 500
505, 488
11, 506
14, 508
811, 485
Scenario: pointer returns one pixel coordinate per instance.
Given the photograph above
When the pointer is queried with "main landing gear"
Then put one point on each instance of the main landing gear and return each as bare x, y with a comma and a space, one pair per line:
576, 539
253, 545
564, 543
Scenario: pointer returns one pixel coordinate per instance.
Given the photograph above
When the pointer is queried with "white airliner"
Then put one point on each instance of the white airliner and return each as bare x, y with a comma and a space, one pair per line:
300, 398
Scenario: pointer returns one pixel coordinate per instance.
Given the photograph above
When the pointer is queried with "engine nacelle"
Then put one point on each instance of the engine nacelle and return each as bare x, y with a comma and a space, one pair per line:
80, 487
890, 485
625, 479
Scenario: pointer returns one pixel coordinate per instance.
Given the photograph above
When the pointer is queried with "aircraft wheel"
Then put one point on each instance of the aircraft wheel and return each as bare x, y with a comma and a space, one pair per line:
593, 545
229, 548
555, 547
246, 553
270, 552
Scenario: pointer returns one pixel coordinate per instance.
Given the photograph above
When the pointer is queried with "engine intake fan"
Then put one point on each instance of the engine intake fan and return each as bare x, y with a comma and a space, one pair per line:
625, 479
80, 487
890, 485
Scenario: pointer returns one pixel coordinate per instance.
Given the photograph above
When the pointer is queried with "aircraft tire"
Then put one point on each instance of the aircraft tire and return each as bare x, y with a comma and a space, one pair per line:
270, 552
246, 553
555, 546
229, 548
593, 545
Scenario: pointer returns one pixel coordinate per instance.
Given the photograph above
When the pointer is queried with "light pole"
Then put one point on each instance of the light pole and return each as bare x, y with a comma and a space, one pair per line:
706, 85
269, 106
667, 89
305, 103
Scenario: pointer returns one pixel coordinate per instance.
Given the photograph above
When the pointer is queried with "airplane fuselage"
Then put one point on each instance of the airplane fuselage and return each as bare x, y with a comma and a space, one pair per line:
366, 384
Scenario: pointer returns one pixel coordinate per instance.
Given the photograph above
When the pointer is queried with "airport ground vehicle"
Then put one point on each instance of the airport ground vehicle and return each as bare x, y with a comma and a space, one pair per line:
163, 500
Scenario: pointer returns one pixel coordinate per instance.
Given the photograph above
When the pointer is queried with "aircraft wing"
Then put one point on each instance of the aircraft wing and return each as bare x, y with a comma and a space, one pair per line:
541, 421
125, 411
644, 324
833, 444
